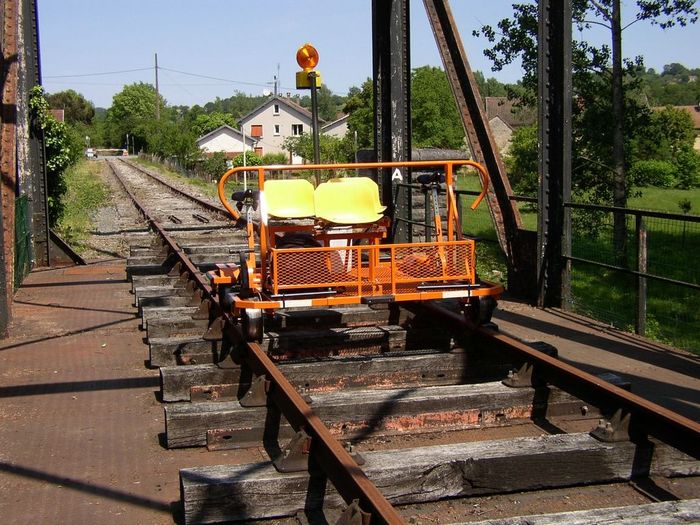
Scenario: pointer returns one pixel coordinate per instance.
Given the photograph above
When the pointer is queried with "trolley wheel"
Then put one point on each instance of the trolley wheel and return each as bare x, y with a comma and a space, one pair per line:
480, 309
252, 323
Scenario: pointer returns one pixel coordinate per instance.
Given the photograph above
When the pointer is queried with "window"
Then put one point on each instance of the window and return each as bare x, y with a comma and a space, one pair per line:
258, 151
256, 131
297, 129
276, 109
277, 129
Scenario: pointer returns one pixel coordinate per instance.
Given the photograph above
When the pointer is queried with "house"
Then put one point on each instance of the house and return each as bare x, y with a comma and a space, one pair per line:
227, 139
505, 117
338, 128
275, 120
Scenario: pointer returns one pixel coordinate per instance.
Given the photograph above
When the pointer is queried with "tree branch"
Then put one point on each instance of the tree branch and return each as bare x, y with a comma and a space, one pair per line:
606, 14
593, 22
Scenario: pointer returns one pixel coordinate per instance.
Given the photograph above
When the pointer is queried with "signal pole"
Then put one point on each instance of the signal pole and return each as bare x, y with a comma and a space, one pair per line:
157, 93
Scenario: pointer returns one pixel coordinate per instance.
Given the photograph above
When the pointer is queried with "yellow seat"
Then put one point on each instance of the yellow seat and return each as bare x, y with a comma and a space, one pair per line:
338, 202
371, 186
289, 199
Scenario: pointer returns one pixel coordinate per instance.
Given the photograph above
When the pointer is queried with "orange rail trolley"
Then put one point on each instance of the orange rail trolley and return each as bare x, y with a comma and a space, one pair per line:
326, 245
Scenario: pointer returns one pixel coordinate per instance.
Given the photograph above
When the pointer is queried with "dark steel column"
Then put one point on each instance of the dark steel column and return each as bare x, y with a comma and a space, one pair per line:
392, 101
37, 153
554, 72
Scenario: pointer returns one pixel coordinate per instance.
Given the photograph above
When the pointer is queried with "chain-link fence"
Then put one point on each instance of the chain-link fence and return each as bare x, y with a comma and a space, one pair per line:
647, 281
23, 247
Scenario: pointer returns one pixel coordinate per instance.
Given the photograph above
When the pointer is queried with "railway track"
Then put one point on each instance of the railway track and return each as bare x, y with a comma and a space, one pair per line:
438, 412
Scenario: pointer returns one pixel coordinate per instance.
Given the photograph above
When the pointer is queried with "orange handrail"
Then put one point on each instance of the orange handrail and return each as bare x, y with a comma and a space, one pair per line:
449, 165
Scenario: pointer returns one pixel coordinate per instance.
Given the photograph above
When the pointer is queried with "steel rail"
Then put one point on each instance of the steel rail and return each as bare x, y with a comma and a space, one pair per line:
347, 477
647, 417
205, 204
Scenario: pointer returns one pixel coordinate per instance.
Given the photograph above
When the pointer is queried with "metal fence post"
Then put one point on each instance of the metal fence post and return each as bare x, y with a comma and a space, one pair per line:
641, 231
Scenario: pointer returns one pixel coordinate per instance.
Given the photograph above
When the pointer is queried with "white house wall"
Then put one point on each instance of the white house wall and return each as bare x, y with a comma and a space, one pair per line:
222, 140
271, 141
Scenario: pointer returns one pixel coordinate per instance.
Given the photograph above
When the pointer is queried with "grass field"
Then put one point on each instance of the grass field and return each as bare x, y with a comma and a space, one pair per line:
609, 295
85, 194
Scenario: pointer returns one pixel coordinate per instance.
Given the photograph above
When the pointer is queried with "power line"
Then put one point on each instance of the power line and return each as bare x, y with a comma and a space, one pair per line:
214, 78
100, 74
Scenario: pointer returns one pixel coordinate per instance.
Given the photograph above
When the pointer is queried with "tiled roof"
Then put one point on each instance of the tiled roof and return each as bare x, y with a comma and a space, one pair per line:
508, 111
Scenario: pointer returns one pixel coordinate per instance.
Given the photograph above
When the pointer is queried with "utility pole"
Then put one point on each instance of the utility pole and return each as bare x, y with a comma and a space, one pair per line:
157, 92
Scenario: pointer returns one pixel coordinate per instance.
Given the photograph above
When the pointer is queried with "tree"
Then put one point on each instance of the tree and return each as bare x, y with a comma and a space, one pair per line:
133, 111
360, 108
76, 108
332, 149
435, 120
169, 139
208, 122
518, 39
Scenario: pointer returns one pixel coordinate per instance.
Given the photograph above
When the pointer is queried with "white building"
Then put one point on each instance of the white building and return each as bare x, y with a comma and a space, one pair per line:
275, 120
226, 139
338, 128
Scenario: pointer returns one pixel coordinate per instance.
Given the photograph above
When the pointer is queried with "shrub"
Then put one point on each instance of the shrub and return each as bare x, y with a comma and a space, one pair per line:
215, 166
660, 173
688, 169
275, 158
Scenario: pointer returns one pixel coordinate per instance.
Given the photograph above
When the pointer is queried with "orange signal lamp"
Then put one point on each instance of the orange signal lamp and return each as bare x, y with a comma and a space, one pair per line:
307, 58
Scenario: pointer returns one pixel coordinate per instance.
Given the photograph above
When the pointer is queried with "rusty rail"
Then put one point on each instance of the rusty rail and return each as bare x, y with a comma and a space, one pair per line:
340, 467
646, 417
348, 479
205, 204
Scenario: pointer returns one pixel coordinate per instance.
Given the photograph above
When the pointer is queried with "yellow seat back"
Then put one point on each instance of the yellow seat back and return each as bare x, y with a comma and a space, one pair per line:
370, 186
289, 199
341, 203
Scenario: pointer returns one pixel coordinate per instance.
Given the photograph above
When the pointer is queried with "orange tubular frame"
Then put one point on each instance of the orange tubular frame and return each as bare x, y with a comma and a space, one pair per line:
380, 286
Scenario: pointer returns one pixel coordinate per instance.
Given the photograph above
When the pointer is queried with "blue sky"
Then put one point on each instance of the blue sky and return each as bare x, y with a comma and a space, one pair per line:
244, 41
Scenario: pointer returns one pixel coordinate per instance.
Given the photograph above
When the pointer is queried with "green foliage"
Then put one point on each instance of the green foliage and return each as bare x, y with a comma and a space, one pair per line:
169, 139
237, 104
667, 133
271, 159
215, 165
208, 122
685, 205
329, 104
660, 173
522, 160
676, 86
76, 108
251, 159
85, 194
360, 107
331, 149
593, 148
688, 168
133, 112
62, 150
435, 120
